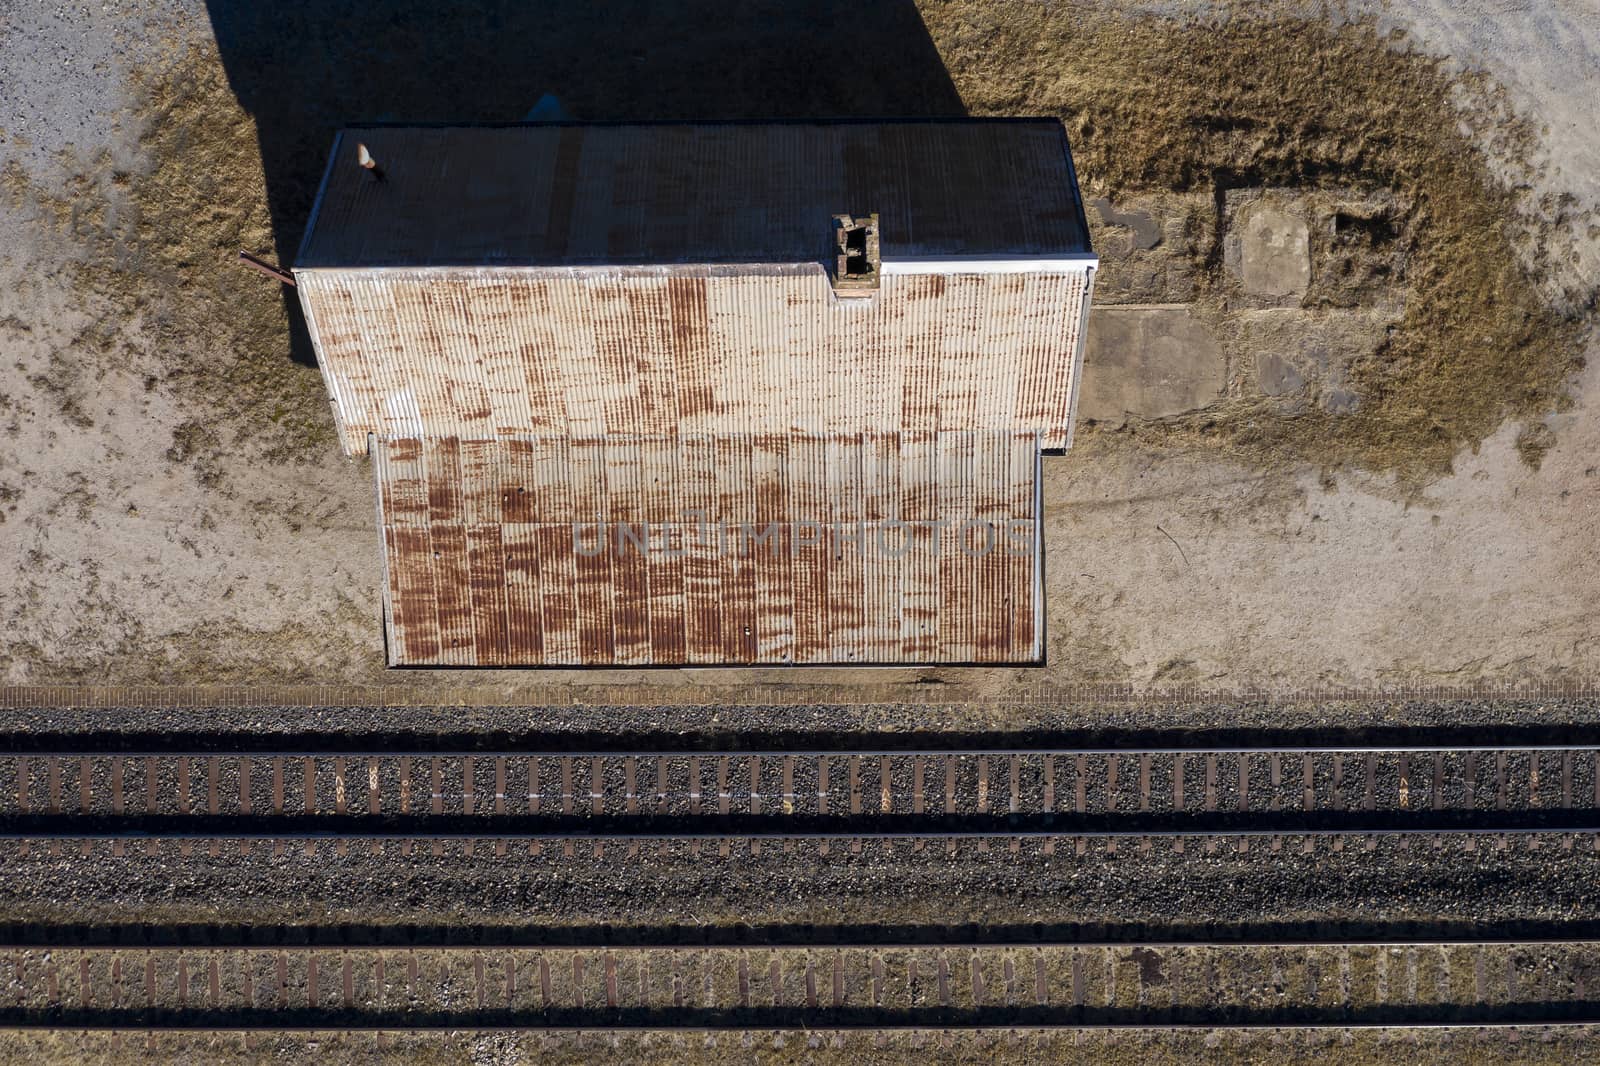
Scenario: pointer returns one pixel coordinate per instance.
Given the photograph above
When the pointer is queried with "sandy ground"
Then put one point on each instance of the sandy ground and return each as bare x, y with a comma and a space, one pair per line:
1301, 578
153, 540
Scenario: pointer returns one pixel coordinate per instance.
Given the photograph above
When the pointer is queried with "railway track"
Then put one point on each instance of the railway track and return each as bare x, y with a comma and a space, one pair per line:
784, 986
374, 978
1301, 793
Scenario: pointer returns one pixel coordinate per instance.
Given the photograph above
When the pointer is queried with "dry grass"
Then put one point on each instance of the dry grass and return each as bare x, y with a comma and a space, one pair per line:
1163, 105
202, 201
164, 283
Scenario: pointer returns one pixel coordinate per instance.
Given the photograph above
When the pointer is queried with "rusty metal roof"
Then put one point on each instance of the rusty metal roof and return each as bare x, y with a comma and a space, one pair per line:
681, 549
564, 194
551, 332
480, 353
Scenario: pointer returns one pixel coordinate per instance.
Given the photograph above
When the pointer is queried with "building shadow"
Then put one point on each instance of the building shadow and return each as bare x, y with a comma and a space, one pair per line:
304, 68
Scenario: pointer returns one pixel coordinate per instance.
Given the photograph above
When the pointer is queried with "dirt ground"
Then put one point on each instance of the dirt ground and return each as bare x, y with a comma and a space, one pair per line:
174, 508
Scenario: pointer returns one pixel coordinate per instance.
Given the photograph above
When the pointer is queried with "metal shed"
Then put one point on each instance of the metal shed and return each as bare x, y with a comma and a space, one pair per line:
704, 393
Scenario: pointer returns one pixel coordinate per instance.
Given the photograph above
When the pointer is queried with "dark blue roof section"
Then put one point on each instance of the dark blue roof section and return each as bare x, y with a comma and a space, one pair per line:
591, 194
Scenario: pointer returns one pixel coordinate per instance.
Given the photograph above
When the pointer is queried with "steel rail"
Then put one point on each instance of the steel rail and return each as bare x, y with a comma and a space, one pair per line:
818, 945
360, 835
773, 753
456, 1024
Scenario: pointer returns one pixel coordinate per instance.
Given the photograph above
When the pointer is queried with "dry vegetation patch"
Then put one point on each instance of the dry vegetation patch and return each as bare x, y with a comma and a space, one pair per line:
1157, 104
201, 202
161, 276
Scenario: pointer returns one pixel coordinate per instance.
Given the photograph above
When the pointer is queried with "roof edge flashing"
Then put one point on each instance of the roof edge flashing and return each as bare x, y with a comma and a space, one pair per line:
886, 266
754, 267
989, 264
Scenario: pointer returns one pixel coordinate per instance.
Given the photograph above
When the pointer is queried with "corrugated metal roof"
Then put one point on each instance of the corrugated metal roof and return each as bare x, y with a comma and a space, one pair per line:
497, 352
542, 328
693, 193
678, 549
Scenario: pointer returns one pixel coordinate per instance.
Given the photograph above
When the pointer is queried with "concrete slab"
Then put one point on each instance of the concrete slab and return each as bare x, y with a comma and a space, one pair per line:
1149, 362
1277, 376
1148, 246
1144, 231
1274, 249
1294, 351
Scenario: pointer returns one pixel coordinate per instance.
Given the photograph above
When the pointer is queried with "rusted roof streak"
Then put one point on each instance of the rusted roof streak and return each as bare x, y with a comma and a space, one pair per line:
530, 551
544, 194
484, 353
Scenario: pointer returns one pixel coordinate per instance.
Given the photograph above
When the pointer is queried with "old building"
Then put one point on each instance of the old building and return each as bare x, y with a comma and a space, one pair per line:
704, 393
